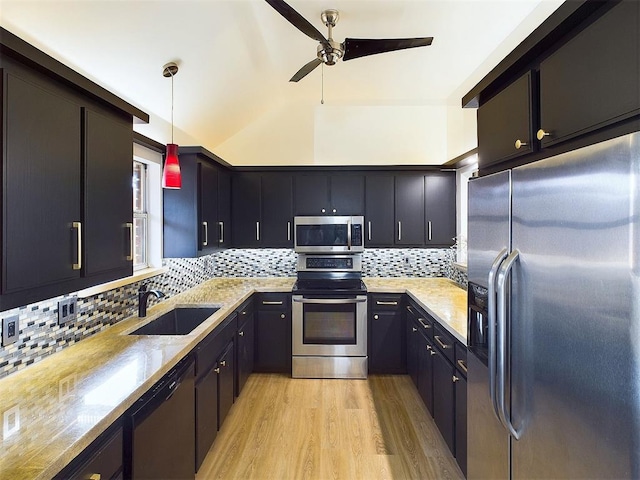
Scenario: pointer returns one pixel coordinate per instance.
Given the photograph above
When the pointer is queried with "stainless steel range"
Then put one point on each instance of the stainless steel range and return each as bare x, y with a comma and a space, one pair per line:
329, 317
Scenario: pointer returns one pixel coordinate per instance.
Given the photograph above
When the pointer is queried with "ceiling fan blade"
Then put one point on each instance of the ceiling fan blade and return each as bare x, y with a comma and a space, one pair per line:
297, 20
361, 47
306, 70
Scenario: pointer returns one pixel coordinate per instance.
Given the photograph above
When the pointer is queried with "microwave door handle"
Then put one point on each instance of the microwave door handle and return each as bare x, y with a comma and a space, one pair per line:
501, 337
491, 320
349, 234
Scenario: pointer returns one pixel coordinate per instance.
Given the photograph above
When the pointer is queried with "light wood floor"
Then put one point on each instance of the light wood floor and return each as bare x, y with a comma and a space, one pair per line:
283, 428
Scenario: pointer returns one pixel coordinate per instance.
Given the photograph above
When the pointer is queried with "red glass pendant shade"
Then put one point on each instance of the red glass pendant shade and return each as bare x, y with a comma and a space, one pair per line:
171, 177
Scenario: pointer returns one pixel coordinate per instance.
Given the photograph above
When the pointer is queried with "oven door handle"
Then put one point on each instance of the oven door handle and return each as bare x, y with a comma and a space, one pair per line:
330, 301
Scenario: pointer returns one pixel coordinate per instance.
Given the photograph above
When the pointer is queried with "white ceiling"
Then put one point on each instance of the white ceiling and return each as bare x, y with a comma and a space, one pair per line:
236, 56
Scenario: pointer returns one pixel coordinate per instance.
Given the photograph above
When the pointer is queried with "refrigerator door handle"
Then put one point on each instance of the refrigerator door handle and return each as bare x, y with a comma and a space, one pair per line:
491, 320
501, 337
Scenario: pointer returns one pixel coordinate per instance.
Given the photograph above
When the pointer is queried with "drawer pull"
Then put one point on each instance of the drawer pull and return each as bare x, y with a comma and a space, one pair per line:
519, 144
241, 334
409, 309
455, 379
217, 370
541, 134
414, 329
443, 345
282, 315
425, 325
462, 366
380, 302
223, 363
376, 317
264, 302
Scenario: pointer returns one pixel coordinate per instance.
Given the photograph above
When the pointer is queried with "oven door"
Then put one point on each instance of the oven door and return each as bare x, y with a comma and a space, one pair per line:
334, 326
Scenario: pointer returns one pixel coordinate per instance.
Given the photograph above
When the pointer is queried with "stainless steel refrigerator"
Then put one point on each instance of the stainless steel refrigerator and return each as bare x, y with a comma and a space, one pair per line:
554, 317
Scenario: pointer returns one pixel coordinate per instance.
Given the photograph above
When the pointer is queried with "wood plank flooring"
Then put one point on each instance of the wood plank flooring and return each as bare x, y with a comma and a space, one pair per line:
282, 428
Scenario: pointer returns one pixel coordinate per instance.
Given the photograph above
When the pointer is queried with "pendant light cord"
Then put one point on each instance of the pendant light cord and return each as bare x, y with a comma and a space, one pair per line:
171, 105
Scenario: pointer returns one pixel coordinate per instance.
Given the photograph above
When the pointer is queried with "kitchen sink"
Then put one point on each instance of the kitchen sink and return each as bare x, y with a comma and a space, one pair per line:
179, 321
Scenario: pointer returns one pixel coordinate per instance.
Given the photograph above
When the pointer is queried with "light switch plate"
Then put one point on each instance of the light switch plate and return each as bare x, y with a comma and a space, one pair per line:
67, 310
10, 330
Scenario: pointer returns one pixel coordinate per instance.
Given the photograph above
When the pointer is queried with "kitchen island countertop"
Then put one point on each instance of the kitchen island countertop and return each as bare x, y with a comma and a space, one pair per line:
55, 408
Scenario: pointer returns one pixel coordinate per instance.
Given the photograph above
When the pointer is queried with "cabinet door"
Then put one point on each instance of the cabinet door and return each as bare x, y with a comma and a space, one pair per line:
273, 333
312, 194
208, 208
245, 210
206, 414
461, 422
440, 209
579, 90
277, 210
413, 347
505, 120
224, 208
379, 200
180, 213
444, 398
387, 341
426, 384
409, 209
347, 194
41, 186
226, 389
108, 196
245, 351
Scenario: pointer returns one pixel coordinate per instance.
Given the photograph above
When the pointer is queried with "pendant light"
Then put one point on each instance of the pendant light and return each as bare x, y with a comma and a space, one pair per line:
171, 177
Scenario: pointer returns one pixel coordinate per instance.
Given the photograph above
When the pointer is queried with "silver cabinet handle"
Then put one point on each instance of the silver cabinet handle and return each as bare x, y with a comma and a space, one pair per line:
241, 334
129, 225
329, 301
425, 325
258, 231
440, 342
414, 329
462, 366
454, 379
380, 302
221, 238
265, 302
409, 309
376, 317
348, 233
399, 231
217, 370
491, 319
369, 231
282, 315
223, 363
78, 227
501, 340
429, 228
288, 231
205, 242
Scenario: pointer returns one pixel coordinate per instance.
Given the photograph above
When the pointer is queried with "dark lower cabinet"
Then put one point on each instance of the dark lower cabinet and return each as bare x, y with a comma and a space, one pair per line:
101, 459
273, 333
413, 348
226, 383
426, 385
461, 421
206, 414
245, 342
386, 335
444, 399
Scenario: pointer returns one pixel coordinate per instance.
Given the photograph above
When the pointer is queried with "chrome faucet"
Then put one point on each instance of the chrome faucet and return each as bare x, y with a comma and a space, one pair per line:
143, 295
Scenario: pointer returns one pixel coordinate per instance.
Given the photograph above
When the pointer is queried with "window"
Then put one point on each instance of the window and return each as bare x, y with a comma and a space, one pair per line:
140, 215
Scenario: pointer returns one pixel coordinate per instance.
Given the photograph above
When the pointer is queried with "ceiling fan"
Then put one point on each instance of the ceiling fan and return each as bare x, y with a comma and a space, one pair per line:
330, 51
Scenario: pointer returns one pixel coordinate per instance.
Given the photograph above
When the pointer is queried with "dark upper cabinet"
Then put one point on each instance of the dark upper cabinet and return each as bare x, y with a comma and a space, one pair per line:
41, 186
277, 209
192, 214
224, 208
505, 123
379, 214
325, 194
67, 169
207, 179
440, 209
409, 210
108, 196
245, 209
593, 80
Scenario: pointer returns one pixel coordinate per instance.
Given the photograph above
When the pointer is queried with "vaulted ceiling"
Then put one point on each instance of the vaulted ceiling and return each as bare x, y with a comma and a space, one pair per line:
232, 94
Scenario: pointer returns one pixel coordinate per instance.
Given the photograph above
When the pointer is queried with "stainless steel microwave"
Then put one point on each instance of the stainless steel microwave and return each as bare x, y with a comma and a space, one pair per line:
330, 234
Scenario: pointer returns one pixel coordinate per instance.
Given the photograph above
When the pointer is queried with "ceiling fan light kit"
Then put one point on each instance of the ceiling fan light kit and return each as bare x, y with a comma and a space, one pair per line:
330, 51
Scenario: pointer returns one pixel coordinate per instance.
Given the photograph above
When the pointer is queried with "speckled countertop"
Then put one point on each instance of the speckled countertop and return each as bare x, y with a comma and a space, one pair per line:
55, 408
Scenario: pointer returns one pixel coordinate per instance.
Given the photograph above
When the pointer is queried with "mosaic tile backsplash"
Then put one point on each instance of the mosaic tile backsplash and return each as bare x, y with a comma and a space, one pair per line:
40, 334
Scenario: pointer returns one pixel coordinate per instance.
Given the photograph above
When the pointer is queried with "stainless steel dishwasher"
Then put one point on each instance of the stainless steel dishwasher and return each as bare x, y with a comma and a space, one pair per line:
161, 440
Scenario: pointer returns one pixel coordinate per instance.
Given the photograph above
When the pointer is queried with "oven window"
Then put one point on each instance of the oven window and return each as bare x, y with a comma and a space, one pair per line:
322, 235
329, 324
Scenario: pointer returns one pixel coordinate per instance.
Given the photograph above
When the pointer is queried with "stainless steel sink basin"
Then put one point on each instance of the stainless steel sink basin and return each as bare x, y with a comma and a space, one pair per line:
179, 321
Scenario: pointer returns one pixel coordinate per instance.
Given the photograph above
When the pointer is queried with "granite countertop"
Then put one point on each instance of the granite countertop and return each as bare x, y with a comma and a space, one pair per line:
55, 408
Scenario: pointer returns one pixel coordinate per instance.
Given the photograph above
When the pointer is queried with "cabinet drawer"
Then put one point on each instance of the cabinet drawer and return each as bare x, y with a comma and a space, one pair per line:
273, 301
444, 342
209, 349
245, 310
461, 358
385, 302
424, 321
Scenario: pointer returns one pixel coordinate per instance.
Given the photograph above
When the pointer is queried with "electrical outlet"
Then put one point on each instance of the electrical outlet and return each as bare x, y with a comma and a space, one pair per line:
67, 310
407, 261
73, 308
10, 330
